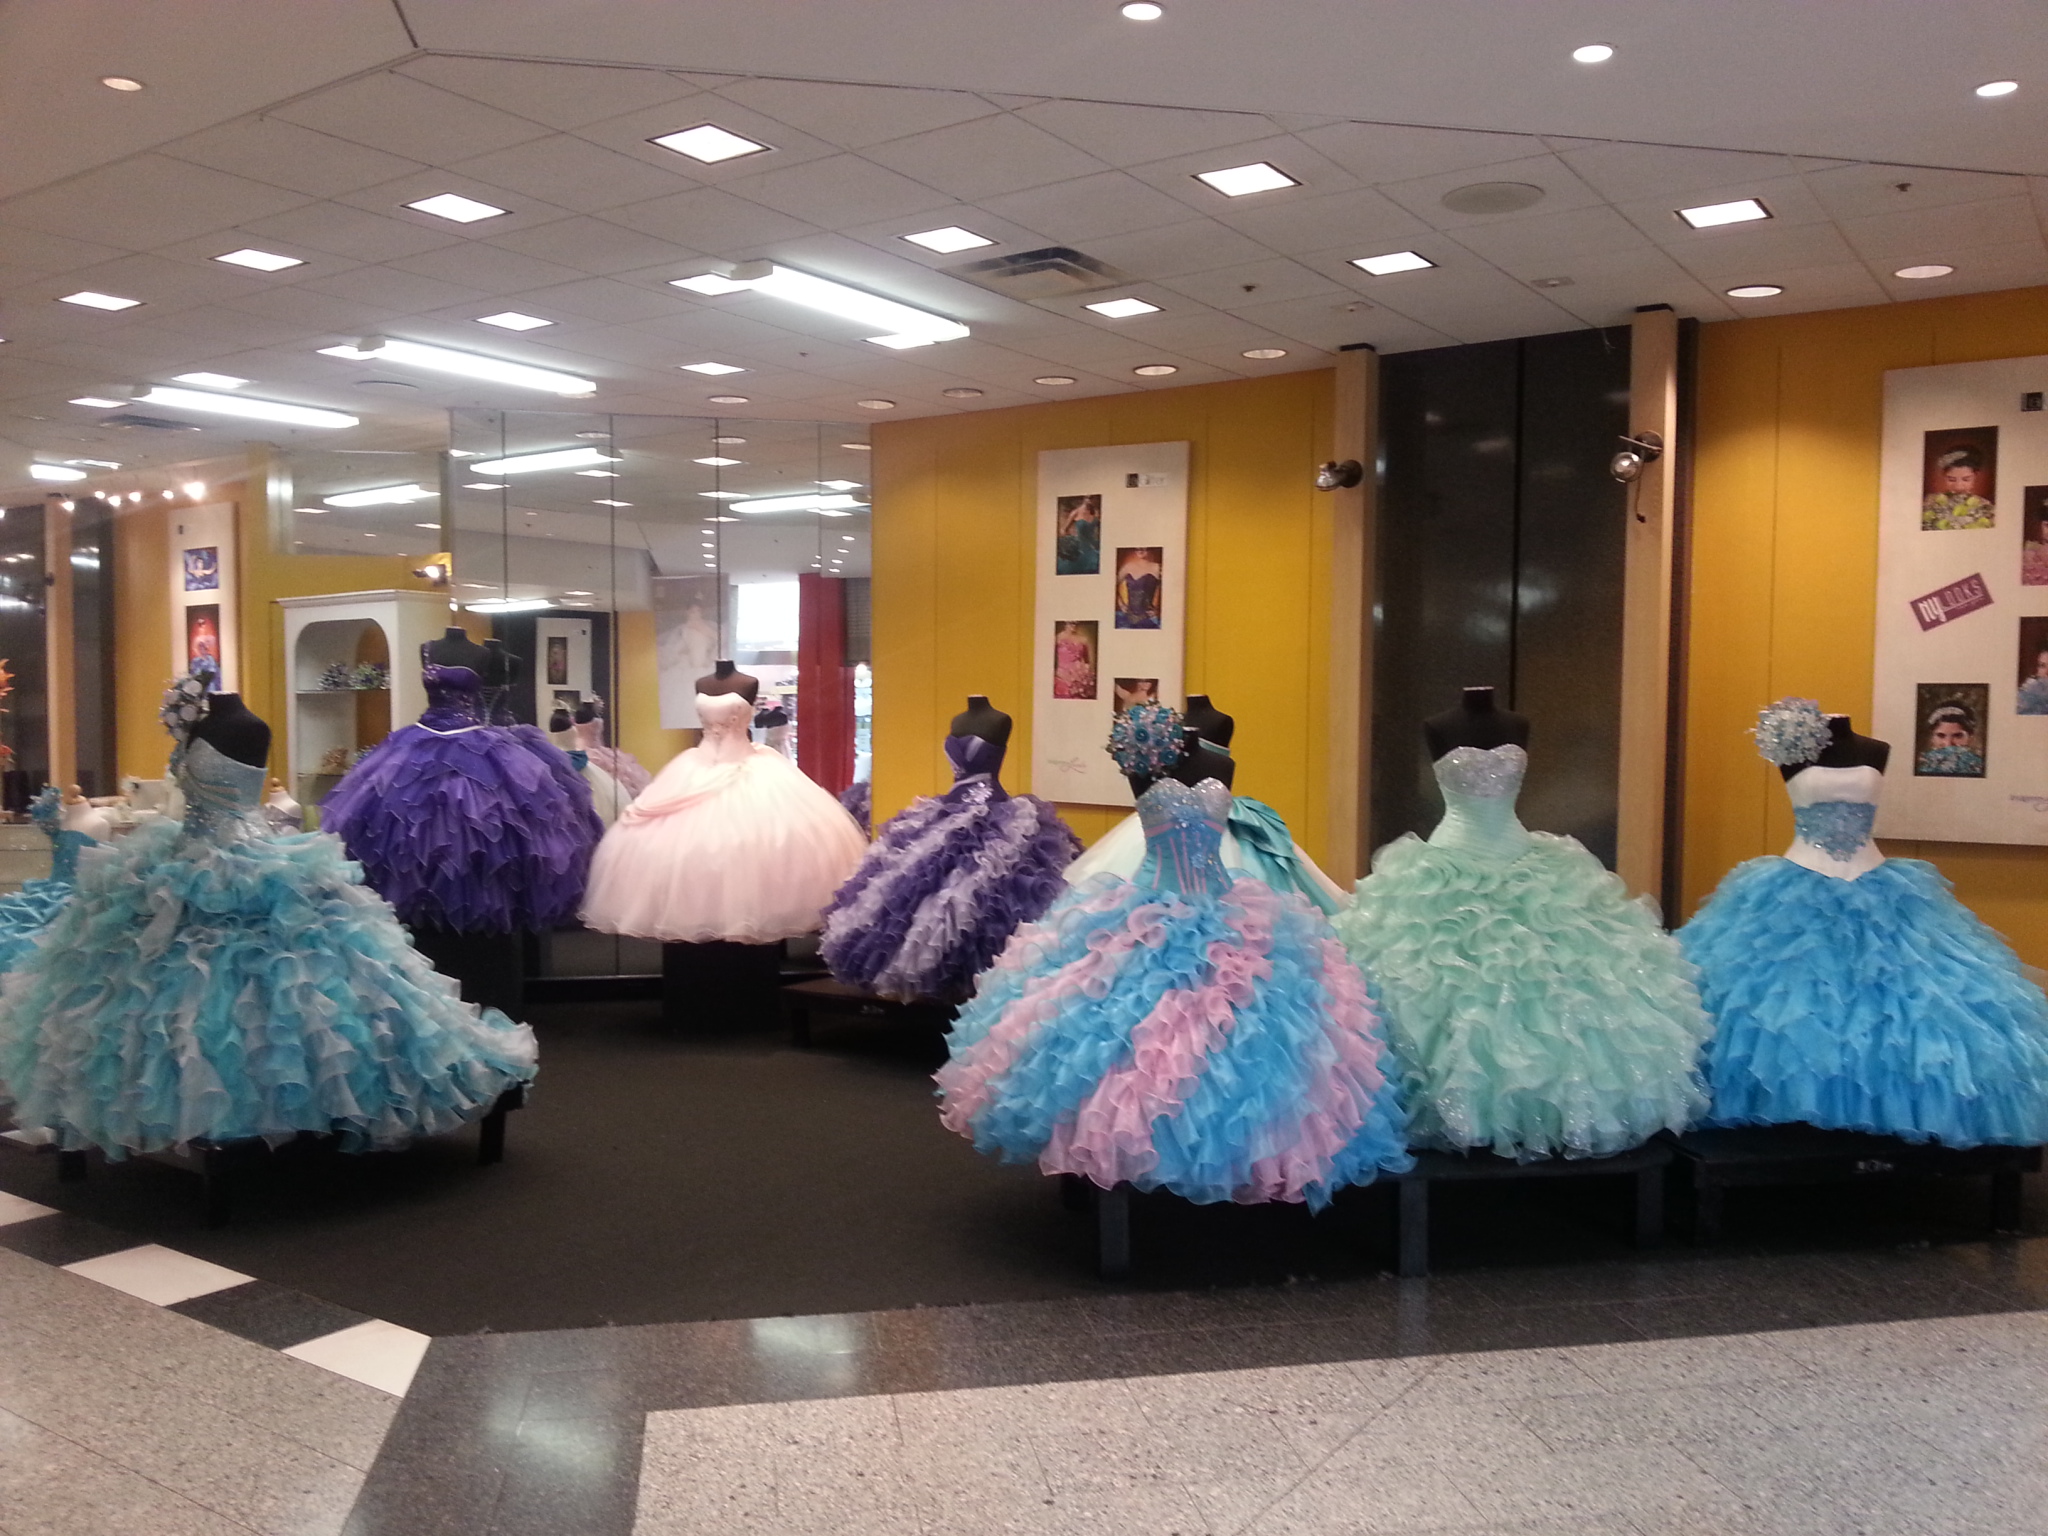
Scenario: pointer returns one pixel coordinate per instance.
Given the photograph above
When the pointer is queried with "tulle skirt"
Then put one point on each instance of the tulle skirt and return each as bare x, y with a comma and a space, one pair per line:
748, 850
1219, 1046
479, 831
196, 992
1874, 1004
1536, 1009
25, 913
941, 891
631, 773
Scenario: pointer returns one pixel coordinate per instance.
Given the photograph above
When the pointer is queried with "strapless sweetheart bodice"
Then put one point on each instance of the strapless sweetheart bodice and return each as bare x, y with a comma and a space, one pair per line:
223, 797
976, 761
454, 697
1479, 787
1184, 836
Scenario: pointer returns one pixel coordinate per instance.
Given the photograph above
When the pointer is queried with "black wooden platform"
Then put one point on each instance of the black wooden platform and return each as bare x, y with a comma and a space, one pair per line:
1646, 1167
823, 998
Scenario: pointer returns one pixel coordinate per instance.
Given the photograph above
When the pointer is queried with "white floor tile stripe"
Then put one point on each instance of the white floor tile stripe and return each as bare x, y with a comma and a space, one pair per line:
378, 1354
158, 1274
13, 1208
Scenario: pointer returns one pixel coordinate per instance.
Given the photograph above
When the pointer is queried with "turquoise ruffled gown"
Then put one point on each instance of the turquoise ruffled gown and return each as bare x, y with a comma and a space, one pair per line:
211, 980
25, 913
1192, 1030
1854, 992
1536, 1008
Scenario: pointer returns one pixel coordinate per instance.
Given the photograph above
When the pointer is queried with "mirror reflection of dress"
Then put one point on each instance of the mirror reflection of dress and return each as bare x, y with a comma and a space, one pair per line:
25, 913
1537, 1009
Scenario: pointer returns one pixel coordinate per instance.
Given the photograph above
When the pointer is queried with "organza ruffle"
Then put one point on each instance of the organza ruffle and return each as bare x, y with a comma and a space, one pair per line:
1535, 1008
478, 831
192, 991
1875, 1004
631, 773
1218, 1046
941, 890
25, 913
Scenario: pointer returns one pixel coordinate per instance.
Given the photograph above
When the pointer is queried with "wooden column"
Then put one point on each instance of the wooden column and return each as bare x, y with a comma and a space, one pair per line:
1352, 547
61, 670
1646, 637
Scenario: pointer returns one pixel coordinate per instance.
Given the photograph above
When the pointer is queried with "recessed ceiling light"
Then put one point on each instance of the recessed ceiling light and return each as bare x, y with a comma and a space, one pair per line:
99, 404
1055, 379
1550, 282
727, 399
87, 299
1266, 354
948, 240
1392, 262
260, 261
1143, 10
1154, 370
711, 368
512, 320
482, 485
454, 206
729, 442
210, 380
600, 474
1122, 309
603, 502
576, 592
1713, 215
426, 525
723, 519
718, 461
1998, 87
120, 82
876, 405
711, 284
1593, 53
1481, 197
1243, 180
1931, 269
1755, 291
709, 143
961, 392
858, 447
840, 485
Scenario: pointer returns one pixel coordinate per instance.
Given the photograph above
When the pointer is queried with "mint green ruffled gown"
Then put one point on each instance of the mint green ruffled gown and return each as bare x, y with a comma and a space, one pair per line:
1537, 1009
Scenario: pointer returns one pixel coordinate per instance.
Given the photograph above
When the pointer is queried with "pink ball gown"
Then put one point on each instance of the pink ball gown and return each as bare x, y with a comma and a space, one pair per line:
730, 841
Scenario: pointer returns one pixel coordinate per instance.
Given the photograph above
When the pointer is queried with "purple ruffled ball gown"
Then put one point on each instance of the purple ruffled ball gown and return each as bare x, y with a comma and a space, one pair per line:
947, 882
465, 825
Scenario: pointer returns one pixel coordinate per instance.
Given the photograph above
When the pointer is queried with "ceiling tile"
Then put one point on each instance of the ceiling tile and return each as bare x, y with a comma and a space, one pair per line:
1384, 152
1625, 173
1562, 191
593, 245
1758, 253
1368, 220
1862, 191
1789, 200
1180, 333
400, 293
1319, 177
1125, 135
404, 116
560, 95
1258, 282
630, 133
605, 300
985, 158
1176, 250
1941, 234
1469, 301
712, 220
269, 149
1980, 269
1108, 203
838, 190
162, 284
215, 326
522, 209
1837, 285
319, 314
854, 116
34, 251
487, 266
573, 173
1543, 245
145, 202
1608, 286
350, 232
887, 234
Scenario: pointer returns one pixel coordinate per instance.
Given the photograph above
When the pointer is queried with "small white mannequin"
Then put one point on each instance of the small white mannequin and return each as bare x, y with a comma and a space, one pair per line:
1816, 786
78, 814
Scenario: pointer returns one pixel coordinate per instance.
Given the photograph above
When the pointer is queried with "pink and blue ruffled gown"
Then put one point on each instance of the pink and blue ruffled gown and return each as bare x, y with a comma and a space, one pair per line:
947, 882
464, 825
1189, 1030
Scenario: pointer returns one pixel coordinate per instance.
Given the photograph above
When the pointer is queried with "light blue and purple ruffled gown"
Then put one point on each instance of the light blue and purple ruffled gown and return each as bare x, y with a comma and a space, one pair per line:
1192, 1030
211, 980
465, 825
947, 882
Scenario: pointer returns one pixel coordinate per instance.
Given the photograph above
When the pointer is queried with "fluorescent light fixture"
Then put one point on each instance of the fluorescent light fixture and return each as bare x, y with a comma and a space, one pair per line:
858, 447
210, 380
259, 261
1243, 180
576, 592
99, 464
1143, 10
381, 496
710, 368
54, 472
120, 83
512, 320
250, 410
724, 495
1122, 309
1931, 269
948, 240
711, 284
1265, 354
718, 460
1998, 87
554, 458
509, 605
709, 143
877, 404
469, 365
1593, 53
1714, 215
727, 399
426, 525
482, 485
840, 485
98, 404
600, 474
87, 299
1755, 291
602, 502
457, 208
801, 502
904, 325
1392, 262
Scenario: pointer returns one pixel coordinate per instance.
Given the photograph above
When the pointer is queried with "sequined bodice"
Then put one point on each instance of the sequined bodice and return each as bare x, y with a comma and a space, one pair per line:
454, 697
1834, 811
726, 718
976, 761
1184, 836
1479, 788
223, 798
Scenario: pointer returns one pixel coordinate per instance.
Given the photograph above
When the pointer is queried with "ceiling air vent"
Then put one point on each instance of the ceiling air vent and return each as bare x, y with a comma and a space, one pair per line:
153, 423
1051, 273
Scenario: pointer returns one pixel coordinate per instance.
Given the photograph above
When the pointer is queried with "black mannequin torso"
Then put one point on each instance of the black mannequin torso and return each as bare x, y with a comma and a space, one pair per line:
456, 649
585, 712
727, 678
232, 730
982, 719
501, 667
1478, 721
1198, 761
560, 721
1845, 749
1216, 727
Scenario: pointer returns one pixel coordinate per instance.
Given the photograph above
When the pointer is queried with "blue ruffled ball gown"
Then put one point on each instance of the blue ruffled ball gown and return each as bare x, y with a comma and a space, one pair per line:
211, 980
1854, 992
464, 825
25, 913
1192, 1030
1537, 1009
947, 882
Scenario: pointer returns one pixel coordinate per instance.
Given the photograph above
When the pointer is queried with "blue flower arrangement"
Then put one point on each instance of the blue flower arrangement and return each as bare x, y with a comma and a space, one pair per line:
1791, 731
1145, 740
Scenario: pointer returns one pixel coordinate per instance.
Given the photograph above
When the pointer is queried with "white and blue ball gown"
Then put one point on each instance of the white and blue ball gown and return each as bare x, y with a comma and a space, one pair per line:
1536, 1008
25, 913
1192, 1030
211, 980
607, 796
1854, 992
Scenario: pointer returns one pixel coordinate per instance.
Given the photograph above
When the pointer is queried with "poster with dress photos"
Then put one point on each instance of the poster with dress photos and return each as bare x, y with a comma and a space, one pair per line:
1961, 682
1109, 625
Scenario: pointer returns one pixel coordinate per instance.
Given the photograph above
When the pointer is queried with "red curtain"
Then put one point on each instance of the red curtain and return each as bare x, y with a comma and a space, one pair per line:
824, 683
